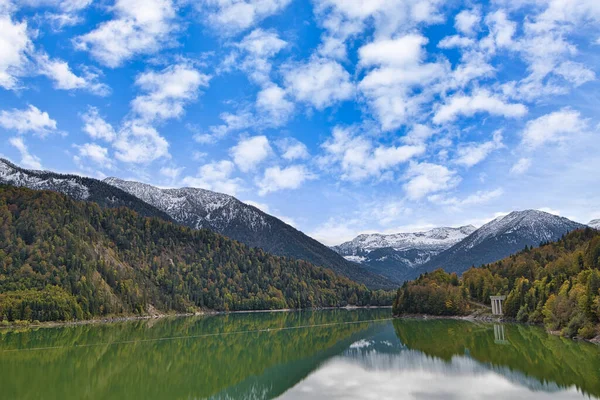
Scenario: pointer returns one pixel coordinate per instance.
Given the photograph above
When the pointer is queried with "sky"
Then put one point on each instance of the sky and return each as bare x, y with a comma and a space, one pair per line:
339, 116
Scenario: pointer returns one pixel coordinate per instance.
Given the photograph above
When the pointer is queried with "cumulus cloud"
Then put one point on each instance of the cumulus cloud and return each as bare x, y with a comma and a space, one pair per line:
471, 154
96, 127
14, 47
95, 153
233, 16
401, 83
216, 176
273, 105
554, 127
139, 27
277, 178
320, 82
30, 119
28, 160
249, 152
64, 78
481, 101
467, 21
258, 48
292, 149
140, 143
426, 178
359, 158
167, 91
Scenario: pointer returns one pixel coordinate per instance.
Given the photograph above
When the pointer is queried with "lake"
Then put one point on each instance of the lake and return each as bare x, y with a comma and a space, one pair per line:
330, 354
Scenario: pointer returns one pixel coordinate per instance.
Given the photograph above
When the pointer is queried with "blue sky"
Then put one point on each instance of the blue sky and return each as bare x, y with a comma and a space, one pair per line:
339, 116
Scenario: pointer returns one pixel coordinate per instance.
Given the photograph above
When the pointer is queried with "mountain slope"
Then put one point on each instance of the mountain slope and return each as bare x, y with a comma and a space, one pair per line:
500, 238
77, 188
199, 208
595, 223
61, 260
395, 255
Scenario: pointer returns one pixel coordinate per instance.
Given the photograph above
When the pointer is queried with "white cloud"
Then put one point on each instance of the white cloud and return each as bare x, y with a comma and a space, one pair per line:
259, 46
94, 152
96, 126
521, 166
467, 21
14, 47
456, 41
471, 154
276, 178
343, 19
554, 127
28, 120
292, 149
28, 160
171, 173
250, 152
575, 73
360, 159
480, 197
319, 82
60, 72
139, 27
167, 91
425, 178
273, 104
243, 119
216, 176
481, 101
402, 83
139, 143
232, 16
418, 134
405, 50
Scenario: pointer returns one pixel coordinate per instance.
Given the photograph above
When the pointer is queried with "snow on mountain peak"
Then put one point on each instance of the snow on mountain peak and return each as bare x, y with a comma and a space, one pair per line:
42, 180
434, 239
595, 223
199, 208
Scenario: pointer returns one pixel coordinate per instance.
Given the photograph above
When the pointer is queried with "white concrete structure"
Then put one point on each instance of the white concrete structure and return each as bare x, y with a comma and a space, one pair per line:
497, 304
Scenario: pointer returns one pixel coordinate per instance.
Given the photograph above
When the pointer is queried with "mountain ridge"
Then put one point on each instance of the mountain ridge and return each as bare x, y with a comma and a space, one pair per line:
394, 255
225, 214
498, 239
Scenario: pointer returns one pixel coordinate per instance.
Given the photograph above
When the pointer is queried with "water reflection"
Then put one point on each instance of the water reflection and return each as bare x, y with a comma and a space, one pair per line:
415, 359
317, 355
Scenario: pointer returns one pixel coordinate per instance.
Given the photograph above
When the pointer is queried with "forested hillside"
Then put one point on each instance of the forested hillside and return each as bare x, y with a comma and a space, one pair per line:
557, 284
62, 259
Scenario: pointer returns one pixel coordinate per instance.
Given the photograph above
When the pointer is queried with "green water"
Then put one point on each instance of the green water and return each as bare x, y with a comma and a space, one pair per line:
334, 354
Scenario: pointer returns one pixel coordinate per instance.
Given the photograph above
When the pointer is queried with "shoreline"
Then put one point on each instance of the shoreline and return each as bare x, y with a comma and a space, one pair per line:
129, 318
494, 319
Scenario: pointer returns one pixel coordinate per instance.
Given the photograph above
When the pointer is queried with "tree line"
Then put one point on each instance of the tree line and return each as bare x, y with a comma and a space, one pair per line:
556, 284
62, 259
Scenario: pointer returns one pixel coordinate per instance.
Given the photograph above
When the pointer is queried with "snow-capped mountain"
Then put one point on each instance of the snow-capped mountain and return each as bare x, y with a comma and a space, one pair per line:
199, 208
76, 187
595, 223
391, 255
500, 238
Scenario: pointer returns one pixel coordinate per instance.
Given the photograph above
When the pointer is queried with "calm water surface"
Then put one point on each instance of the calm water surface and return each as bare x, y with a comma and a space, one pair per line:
335, 354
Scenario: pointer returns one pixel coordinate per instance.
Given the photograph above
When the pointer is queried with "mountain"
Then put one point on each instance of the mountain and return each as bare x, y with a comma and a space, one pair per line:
224, 214
63, 259
500, 238
394, 255
77, 188
595, 223
557, 284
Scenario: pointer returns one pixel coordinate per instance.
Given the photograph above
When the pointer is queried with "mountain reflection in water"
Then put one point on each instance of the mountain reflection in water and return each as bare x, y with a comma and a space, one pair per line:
332, 354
